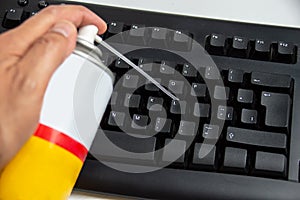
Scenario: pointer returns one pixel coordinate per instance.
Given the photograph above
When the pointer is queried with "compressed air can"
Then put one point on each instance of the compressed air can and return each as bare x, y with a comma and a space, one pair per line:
48, 165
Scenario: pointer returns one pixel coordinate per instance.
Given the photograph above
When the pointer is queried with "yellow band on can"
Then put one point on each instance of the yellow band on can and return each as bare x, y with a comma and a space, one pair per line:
41, 170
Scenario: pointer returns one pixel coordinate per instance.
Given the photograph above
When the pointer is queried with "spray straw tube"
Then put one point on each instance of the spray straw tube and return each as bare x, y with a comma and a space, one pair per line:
48, 165
99, 40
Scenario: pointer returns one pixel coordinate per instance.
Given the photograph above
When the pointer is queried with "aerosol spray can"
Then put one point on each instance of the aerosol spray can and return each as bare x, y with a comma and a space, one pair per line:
48, 165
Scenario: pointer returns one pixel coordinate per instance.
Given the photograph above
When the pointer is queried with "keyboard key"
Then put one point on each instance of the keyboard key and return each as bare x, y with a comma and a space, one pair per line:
198, 90
174, 150
106, 59
158, 38
43, 4
201, 110
167, 67
139, 121
249, 116
278, 108
116, 119
239, 47
212, 73
258, 138
189, 71
235, 158
239, 43
270, 162
235, 75
155, 103
178, 107
135, 148
225, 113
137, 35
261, 50
215, 44
284, 52
285, 48
270, 80
115, 29
121, 64
245, 96
221, 93
150, 86
210, 131
14, 17
180, 41
130, 81
145, 64
187, 128
204, 154
22, 2
132, 100
176, 86
163, 125
159, 34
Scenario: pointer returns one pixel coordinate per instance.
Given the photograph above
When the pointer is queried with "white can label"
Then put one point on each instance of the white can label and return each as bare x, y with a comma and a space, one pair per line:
76, 99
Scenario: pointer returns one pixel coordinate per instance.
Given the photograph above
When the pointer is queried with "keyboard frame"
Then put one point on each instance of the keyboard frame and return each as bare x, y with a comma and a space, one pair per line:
184, 184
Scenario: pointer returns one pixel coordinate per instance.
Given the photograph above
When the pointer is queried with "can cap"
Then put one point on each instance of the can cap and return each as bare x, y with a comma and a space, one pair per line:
88, 33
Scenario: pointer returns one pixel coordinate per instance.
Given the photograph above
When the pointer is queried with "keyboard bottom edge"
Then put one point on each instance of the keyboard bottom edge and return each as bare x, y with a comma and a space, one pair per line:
179, 184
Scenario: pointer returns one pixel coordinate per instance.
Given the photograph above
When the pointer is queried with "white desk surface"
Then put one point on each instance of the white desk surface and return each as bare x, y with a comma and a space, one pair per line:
273, 12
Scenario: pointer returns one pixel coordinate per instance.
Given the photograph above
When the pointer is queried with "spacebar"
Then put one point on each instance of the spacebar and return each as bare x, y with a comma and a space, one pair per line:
258, 138
119, 146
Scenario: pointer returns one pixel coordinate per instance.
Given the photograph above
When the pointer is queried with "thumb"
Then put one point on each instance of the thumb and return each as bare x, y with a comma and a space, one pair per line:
48, 52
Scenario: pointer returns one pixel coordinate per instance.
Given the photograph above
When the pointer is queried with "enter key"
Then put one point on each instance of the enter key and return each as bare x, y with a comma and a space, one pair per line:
278, 108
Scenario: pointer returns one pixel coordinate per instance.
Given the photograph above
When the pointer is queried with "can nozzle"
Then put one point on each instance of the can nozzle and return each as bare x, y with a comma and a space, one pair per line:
88, 33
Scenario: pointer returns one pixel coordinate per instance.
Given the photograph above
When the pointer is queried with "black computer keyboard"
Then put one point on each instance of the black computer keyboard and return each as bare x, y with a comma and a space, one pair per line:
233, 133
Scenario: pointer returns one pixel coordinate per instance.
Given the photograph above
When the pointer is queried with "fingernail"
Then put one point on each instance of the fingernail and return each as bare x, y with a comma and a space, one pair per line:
63, 28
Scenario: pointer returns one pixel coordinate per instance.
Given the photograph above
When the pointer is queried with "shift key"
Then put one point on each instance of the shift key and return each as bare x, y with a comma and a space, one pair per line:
120, 147
257, 138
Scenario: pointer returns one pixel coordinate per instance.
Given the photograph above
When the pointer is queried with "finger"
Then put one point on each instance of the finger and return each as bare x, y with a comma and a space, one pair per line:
39, 24
46, 54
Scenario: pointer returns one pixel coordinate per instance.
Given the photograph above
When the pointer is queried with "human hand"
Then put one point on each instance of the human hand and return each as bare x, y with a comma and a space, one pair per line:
29, 55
